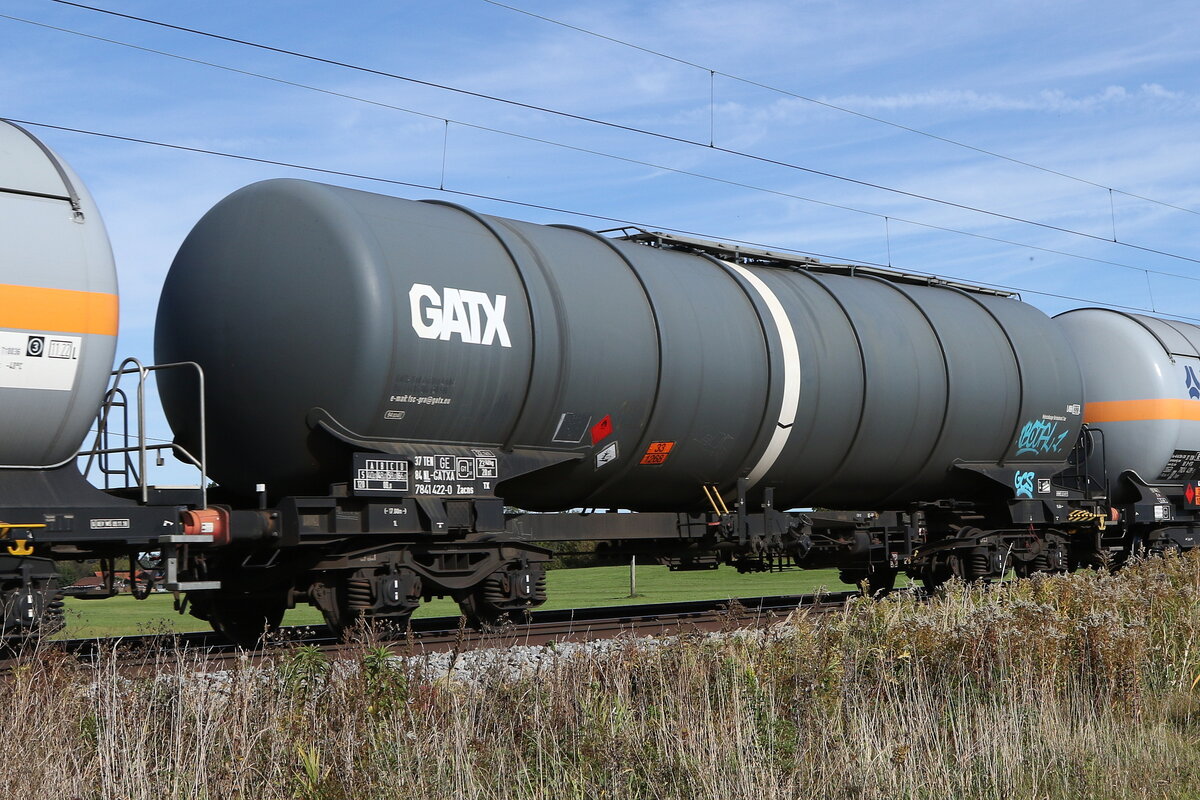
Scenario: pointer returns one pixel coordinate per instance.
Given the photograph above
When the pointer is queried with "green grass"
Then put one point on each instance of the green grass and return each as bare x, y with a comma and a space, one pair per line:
567, 588
122, 615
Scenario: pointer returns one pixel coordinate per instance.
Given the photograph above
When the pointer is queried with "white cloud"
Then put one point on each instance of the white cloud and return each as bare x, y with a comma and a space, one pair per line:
1053, 101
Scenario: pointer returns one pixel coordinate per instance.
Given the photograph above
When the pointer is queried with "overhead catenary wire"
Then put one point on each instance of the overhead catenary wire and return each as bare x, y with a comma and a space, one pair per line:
630, 129
588, 215
713, 72
446, 122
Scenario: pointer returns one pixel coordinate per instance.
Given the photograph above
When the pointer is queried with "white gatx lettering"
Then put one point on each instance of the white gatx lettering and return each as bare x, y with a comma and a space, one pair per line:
475, 317
427, 327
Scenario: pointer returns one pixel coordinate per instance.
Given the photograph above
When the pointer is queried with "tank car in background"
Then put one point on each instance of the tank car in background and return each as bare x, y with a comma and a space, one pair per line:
58, 329
1142, 387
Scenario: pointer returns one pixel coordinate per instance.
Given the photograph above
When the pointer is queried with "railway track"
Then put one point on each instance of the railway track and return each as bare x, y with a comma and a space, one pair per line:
441, 634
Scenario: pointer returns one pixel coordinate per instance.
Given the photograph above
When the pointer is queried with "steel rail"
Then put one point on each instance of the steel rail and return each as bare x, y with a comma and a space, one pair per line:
441, 634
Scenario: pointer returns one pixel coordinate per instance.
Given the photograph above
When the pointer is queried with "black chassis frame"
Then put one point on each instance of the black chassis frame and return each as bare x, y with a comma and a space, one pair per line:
455, 542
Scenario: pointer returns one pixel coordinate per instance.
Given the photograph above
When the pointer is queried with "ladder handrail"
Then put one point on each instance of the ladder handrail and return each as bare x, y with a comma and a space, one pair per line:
117, 397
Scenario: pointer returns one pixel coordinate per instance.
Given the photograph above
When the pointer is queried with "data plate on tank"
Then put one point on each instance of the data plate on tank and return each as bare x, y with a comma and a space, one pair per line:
1183, 465
456, 472
380, 475
38, 360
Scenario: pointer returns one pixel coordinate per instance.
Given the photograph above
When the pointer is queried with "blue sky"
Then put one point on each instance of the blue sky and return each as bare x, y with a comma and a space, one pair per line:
1105, 92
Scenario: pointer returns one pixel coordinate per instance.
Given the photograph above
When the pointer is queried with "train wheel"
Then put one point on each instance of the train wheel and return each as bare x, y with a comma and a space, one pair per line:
505, 596
350, 623
481, 614
937, 572
881, 580
1025, 568
384, 599
245, 621
31, 603
480, 609
877, 580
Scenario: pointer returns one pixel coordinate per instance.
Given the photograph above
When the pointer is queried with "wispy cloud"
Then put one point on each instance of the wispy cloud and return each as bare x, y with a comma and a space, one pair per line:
1054, 101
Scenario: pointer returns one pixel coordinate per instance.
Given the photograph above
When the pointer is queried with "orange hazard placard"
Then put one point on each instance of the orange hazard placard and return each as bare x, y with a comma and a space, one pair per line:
657, 452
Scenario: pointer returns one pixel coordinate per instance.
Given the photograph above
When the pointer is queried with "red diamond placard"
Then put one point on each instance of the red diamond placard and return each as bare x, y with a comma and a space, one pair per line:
602, 429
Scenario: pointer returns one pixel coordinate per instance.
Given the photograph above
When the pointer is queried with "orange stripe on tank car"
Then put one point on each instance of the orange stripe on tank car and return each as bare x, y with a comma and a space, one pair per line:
1141, 410
36, 308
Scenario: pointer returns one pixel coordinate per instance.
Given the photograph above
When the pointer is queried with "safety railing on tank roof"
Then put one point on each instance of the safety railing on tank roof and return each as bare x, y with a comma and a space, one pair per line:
134, 472
772, 258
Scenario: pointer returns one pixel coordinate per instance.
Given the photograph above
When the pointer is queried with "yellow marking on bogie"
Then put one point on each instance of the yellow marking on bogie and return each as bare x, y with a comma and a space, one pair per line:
21, 548
1079, 515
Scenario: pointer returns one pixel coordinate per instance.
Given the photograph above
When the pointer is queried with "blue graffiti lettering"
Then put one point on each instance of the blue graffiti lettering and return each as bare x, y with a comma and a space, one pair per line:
1192, 383
1023, 483
1040, 436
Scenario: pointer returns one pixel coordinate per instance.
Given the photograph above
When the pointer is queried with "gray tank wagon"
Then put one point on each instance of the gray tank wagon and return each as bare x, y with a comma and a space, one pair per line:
58, 330
58, 305
320, 310
1142, 386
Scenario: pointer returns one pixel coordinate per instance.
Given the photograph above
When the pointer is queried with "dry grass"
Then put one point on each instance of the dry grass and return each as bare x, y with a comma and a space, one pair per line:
1069, 687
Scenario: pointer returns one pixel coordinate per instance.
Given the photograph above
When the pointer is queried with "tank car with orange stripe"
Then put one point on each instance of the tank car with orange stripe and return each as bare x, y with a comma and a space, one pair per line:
58, 330
58, 305
1142, 389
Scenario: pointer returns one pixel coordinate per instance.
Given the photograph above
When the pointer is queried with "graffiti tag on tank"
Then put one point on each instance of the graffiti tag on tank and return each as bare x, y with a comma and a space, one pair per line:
1042, 436
1191, 382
